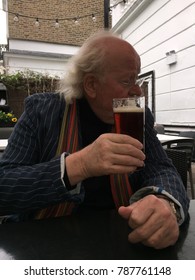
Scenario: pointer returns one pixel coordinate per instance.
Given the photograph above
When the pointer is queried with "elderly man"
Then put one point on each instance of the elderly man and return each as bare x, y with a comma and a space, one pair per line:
63, 155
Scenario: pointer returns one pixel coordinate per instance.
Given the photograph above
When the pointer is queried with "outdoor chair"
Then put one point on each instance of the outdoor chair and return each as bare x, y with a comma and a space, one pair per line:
179, 159
186, 145
190, 134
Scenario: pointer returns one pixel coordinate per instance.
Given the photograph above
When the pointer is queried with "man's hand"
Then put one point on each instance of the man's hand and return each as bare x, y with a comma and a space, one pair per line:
110, 153
153, 222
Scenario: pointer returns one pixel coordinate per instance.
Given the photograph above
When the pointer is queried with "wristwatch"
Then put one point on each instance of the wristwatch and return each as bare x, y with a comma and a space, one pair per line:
175, 211
173, 207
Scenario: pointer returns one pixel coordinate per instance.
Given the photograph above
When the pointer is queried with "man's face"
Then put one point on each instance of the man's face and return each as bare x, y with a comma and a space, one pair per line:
118, 81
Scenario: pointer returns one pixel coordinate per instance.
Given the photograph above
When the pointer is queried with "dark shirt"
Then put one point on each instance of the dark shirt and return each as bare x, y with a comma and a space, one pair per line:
97, 189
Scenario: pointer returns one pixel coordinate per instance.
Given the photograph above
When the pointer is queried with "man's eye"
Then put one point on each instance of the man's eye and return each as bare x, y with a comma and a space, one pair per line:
126, 83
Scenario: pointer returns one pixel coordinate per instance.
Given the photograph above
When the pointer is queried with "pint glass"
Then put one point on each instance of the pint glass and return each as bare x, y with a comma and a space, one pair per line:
129, 116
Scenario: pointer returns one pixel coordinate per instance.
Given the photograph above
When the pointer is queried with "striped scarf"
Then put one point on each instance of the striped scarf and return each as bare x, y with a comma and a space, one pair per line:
69, 142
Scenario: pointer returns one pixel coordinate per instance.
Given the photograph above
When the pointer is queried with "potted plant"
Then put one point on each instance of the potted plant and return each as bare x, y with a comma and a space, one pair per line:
7, 119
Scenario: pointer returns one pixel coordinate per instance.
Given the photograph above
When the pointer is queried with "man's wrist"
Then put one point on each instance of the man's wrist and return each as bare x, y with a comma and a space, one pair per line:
173, 206
66, 178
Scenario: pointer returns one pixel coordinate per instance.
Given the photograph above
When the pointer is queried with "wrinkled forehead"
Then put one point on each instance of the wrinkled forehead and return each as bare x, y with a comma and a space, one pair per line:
120, 52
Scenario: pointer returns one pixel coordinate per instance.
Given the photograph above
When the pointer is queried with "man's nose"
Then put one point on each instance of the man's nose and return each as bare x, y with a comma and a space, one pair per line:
135, 90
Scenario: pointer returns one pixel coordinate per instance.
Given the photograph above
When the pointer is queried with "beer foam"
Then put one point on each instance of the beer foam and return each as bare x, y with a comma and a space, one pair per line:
128, 109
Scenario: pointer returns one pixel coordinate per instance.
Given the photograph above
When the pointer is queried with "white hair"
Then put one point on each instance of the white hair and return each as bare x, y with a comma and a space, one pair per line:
91, 58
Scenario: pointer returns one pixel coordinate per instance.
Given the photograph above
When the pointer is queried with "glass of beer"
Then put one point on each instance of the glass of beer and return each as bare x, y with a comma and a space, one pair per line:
129, 116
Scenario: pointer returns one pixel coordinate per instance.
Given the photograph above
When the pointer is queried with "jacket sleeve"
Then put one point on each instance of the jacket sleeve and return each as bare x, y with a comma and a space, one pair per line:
159, 176
30, 174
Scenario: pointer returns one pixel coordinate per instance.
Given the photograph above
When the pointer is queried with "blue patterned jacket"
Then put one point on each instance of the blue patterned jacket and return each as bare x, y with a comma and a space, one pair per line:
30, 174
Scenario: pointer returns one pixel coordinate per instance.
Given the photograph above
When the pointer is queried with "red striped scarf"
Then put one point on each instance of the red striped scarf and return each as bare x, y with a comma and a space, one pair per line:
68, 142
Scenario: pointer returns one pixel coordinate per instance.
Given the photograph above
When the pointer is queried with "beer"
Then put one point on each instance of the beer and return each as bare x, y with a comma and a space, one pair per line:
130, 121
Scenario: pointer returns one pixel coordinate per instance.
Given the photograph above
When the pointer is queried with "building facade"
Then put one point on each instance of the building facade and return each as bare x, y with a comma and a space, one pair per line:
44, 34
163, 33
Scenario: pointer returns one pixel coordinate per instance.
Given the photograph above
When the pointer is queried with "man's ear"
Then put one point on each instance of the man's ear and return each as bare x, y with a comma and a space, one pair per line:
89, 85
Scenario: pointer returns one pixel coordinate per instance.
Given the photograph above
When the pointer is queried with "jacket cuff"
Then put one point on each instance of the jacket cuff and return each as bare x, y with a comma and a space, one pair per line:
158, 191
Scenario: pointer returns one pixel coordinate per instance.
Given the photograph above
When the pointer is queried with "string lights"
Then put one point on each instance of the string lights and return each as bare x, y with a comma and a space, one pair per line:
57, 25
93, 18
110, 11
126, 4
37, 22
75, 19
16, 18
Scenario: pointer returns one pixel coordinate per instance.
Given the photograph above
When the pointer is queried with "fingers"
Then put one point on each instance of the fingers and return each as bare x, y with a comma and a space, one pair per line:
124, 212
121, 162
133, 213
112, 153
158, 237
121, 150
123, 138
162, 239
127, 150
152, 221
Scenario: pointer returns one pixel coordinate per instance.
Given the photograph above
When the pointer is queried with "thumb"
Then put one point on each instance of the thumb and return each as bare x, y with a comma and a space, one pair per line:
125, 212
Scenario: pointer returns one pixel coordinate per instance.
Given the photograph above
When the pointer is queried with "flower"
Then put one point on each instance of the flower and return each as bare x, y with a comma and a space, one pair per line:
7, 118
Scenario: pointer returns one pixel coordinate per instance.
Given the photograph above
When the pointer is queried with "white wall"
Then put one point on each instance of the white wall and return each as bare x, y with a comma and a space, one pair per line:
3, 37
155, 28
41, 47
38, 56
46, 65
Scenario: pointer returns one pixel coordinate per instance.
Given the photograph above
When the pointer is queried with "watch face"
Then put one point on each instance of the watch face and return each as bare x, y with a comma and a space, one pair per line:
177, 213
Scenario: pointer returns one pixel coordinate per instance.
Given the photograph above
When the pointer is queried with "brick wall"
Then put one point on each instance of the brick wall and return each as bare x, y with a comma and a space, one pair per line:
67, 33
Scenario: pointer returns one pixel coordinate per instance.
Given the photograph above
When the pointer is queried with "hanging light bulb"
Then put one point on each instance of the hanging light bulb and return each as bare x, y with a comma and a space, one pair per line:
37, 22
128, 3
93, 18
76, 21
16, 18
57, 24
124, 6
110, 11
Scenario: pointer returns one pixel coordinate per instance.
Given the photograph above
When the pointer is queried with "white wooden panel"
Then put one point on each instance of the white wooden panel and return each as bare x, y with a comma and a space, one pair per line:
164, 26
163, 85
186, 63
179, 43
180, 117
144, 23
163, 117
157, 21
163, 102
165, 32
184, 99
175, 80
160, 67
183, 79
